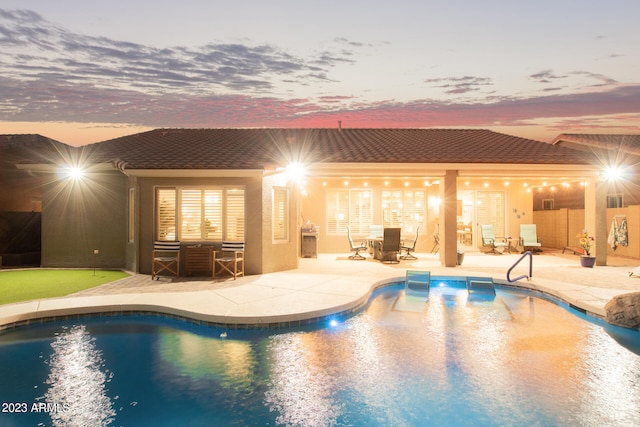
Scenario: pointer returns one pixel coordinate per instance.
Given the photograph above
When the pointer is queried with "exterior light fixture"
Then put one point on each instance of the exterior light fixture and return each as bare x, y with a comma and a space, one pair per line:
612, 174
74, 172
295, 171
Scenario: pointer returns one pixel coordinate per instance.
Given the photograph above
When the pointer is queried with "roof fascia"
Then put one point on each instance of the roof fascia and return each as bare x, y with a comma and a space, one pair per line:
440, 169
194, 173
55, 168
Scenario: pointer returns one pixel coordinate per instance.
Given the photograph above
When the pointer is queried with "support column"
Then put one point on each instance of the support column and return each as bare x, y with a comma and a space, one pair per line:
595, 217
448, 219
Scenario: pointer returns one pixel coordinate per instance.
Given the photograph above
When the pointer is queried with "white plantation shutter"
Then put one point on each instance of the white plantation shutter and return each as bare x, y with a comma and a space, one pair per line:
490, 210
280, 214
213, 225
337, 211
413, 211
360, 211
349, 207
403, 208
191, 219
392, 208
166, 214
213, 214
234, 217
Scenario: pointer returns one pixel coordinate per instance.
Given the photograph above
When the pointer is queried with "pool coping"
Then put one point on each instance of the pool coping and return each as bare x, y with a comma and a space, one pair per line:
175, 305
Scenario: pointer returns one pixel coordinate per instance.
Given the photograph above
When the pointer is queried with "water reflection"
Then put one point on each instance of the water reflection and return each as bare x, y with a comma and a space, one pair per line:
302, 385
512, 360
77, 385
446, 360
231, 362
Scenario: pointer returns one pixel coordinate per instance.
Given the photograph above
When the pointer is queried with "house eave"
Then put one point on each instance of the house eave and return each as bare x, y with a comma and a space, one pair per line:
439, 170
47, 168
194, 173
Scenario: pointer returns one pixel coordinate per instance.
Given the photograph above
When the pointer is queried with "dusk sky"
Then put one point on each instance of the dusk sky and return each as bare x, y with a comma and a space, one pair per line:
83, 72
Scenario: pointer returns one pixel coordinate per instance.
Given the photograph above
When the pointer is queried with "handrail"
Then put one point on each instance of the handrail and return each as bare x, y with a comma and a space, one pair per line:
524, 276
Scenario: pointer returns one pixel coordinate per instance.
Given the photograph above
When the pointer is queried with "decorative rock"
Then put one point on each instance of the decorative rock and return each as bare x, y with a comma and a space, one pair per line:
624, 310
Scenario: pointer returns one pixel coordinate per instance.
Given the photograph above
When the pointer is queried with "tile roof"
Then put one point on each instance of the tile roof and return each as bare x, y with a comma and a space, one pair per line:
255, 148
31, 148
626, 143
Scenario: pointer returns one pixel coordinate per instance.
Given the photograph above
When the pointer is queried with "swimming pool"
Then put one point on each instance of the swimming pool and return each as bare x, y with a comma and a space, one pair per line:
515, 359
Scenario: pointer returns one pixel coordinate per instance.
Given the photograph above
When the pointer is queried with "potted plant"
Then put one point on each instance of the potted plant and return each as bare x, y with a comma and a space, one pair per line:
585, 240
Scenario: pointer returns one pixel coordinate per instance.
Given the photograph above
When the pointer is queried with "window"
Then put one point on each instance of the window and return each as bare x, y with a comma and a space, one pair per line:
132, 213
547, 204
614, 200
490, 210
280, 214
166, 213
404, 209
349, 207
200, 214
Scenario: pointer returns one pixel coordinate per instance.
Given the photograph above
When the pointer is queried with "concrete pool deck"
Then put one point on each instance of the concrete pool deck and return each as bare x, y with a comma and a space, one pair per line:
323, 286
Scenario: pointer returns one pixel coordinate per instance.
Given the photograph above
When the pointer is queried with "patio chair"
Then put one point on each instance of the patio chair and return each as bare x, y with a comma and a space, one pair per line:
166, 258
356, 247
490, 243
436, 240
529, 239
408, 249
375, 231
229, 259
390, 245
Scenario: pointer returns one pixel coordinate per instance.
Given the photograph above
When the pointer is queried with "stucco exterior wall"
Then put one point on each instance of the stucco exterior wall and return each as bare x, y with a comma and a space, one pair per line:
80, 216
279, 255
253, 224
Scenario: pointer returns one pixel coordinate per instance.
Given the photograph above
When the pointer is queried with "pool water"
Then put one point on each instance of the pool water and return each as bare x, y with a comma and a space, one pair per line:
405, 360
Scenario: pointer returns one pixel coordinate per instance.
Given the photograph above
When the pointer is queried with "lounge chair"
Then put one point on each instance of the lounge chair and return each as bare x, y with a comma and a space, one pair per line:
408, 249
575, 250
490, 243
417, 282
165, 258
529, 239
356, 247
390, 245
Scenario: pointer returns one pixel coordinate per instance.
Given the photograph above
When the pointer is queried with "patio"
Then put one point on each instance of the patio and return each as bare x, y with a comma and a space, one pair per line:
323, 286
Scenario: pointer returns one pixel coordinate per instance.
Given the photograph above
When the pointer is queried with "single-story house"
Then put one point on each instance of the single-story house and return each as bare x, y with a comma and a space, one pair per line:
262, 186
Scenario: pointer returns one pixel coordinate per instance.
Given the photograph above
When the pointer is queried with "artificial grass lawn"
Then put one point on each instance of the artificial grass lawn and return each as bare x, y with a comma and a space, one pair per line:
25, 285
